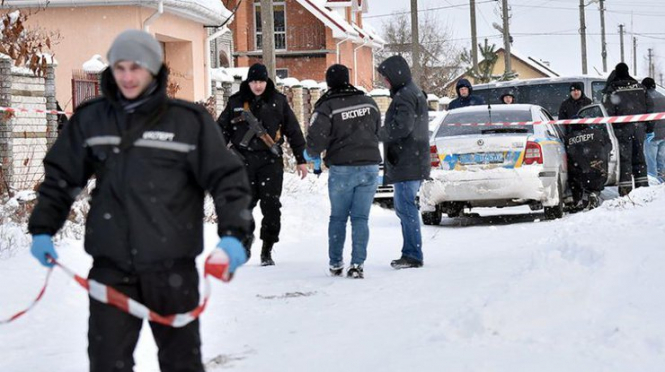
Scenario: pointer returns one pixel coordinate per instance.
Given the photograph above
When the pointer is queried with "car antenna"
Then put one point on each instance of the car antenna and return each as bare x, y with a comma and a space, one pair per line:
489, 105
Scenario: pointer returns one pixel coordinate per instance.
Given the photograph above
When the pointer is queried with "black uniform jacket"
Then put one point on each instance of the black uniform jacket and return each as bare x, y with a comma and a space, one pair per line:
346, 123
146, 210
273, 111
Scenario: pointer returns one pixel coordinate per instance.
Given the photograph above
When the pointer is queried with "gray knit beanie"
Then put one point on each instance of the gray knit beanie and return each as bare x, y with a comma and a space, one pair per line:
137, 46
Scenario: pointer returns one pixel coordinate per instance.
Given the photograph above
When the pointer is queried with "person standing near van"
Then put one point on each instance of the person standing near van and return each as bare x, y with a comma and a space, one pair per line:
405, 136
623, 95
507, 98
345, 125
654, 144
465, 96
572, 105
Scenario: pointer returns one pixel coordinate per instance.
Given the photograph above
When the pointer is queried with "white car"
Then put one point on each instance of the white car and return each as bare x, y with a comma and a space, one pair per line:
495, 166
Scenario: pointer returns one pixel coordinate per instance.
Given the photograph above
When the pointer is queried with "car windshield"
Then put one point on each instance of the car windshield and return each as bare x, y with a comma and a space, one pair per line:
446, 130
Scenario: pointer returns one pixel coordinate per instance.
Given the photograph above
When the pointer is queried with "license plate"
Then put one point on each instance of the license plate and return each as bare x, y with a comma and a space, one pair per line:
481, 158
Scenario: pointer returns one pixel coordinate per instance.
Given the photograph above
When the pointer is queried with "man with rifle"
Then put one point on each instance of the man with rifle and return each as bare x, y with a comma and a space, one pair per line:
254, 124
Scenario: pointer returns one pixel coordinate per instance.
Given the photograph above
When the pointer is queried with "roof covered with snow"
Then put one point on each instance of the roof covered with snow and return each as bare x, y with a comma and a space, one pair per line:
208, 12
340, 27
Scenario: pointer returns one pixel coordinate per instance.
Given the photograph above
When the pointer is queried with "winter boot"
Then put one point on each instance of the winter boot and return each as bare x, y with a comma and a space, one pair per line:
266, 254
405, 263
355, 272
337, 269
594, 200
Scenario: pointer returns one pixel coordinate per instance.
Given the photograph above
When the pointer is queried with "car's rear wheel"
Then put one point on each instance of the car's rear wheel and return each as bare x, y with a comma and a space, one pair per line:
556, 211
454, 209
432, 218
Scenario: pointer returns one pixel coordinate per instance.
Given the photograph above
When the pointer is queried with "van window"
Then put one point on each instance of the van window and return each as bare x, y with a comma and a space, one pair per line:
597, 91
482, 117
550, 96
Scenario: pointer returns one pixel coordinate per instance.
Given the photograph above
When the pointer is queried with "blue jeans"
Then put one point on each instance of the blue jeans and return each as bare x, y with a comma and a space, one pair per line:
351, 190
655, 154
409, 216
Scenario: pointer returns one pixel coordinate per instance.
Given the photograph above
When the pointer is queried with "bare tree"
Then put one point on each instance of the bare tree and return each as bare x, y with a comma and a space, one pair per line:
439, 56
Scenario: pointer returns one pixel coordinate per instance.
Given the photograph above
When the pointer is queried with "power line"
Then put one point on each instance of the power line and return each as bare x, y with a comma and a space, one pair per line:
427, 10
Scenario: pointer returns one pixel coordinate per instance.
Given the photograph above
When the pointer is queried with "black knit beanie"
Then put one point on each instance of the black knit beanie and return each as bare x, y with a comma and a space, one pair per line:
622, 70
257, 72
649, 83
337, 76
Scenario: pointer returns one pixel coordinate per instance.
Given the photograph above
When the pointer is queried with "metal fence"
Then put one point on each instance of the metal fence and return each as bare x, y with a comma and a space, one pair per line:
85, 85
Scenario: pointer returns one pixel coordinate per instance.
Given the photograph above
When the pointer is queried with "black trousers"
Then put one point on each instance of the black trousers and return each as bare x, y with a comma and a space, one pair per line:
632, 163
113, 334
266, 175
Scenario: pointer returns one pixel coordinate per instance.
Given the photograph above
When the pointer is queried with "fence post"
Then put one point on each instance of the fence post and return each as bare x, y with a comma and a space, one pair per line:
6, 151
51, 119
297, 105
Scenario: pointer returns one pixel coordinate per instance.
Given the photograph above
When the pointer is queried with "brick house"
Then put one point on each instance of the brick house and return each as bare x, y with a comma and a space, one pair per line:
310, 35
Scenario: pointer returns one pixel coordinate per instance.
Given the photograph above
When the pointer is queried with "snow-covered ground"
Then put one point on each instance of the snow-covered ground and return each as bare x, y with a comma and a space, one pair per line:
583, 293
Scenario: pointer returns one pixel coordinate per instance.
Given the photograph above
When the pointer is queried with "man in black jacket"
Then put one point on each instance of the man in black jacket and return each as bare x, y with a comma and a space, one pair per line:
405, 136
572, 105
623, 95
153, 159
465, 96
345, 124
260, 104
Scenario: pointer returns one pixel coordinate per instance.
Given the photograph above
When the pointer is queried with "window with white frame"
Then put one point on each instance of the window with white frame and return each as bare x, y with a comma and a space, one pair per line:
279, 10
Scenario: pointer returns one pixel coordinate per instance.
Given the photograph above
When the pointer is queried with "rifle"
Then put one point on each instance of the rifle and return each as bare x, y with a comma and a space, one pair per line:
255, 129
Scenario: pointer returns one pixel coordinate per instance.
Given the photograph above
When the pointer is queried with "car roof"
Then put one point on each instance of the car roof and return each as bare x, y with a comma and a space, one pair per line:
499, 107
518, 82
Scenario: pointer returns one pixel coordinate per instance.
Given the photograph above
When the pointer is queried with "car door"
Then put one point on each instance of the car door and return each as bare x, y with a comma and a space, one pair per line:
596, 111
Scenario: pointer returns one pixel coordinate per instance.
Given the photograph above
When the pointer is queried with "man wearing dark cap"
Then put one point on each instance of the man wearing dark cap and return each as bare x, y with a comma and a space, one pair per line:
654, 144
575, 101
255, 122
153, 159
623, 95
405, 137
345, 124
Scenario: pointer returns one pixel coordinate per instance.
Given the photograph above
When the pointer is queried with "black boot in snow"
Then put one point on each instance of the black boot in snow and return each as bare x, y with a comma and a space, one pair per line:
266, 254
355, 272
406, 263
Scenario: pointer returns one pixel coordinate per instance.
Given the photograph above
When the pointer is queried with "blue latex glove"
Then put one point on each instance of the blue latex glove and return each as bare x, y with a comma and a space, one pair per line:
650, 136
42, 245
234, 249
316, 160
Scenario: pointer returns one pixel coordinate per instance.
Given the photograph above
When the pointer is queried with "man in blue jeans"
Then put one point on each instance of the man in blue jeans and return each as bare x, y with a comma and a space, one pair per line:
345, 124
654, 144
407, 160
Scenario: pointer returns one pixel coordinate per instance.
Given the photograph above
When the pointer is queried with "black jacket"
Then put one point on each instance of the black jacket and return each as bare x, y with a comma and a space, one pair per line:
273, 111
570, 107
146, 211
346, 124
470, 100
405, 132
657, 127
625, 96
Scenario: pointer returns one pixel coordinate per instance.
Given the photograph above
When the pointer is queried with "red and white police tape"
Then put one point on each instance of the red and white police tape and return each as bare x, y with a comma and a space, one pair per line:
21, 109
216, 265
601, 120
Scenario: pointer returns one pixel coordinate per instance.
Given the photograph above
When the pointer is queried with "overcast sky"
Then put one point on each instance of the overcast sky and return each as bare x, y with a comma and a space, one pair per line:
548, 29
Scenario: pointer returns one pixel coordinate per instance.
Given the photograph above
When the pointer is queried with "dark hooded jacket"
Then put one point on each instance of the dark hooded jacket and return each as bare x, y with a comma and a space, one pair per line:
470, 100
623, 95
273, 111
405, 130
570, 107
345, 124
153, 167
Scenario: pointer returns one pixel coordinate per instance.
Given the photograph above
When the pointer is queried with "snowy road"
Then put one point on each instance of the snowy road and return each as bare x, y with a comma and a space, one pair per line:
584, 293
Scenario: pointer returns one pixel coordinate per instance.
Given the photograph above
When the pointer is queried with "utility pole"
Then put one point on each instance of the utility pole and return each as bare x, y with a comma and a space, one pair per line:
474, 37
602, 32
650, 69
583, 37
634, 55
268, 37
415, 42
506, 38
621, 42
